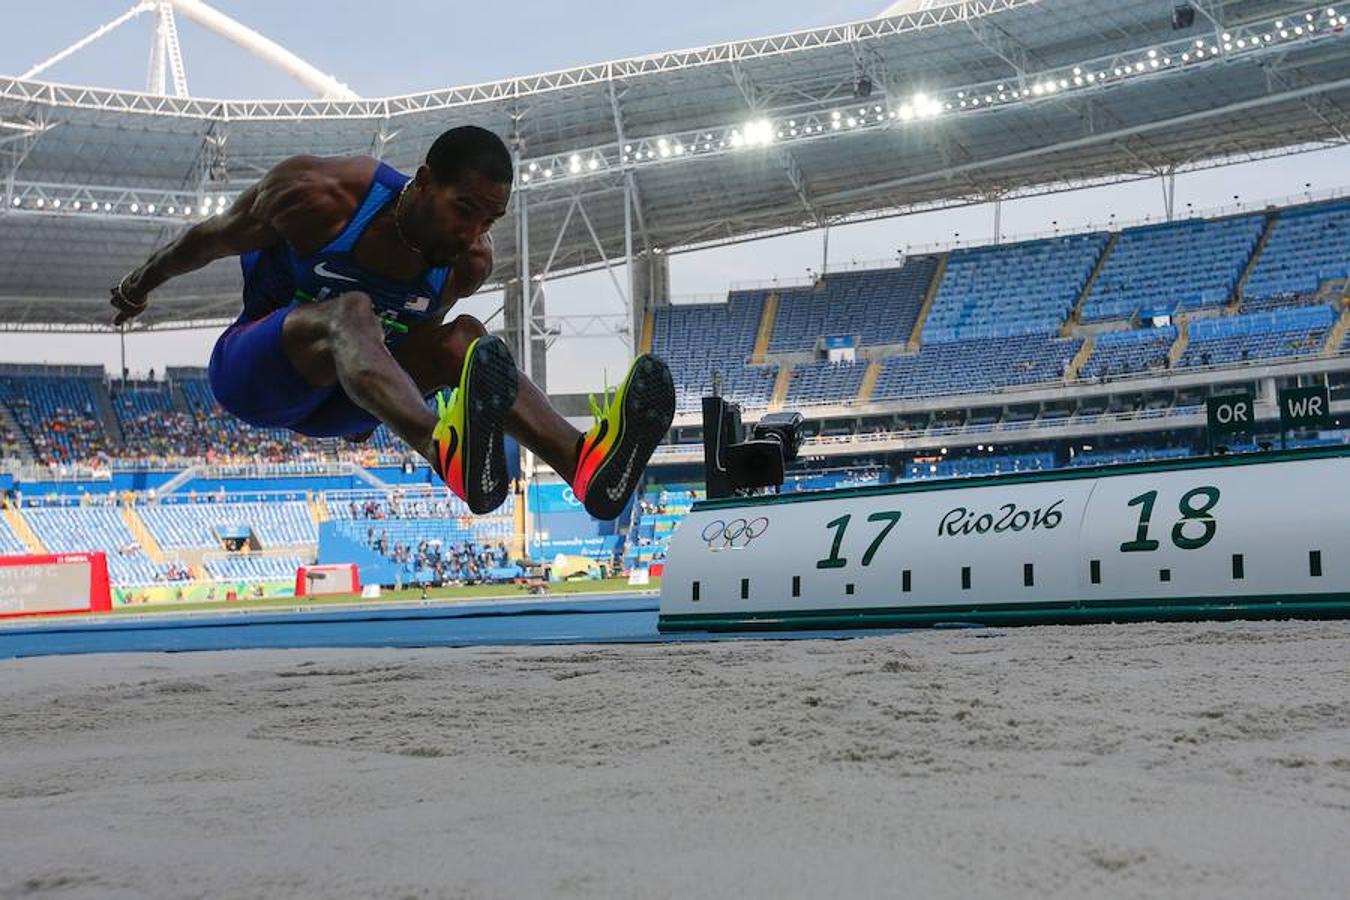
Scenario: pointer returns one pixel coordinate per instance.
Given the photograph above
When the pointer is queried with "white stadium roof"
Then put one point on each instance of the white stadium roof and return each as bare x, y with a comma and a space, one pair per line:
967, 101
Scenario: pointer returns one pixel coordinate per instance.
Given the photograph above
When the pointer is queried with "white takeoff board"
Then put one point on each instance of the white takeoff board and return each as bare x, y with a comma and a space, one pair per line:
1250, 536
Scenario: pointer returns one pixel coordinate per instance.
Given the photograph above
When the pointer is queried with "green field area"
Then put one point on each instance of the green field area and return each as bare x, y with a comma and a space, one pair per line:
467, 592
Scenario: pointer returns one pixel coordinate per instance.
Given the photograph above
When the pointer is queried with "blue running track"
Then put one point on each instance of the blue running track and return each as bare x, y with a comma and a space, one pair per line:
603, 620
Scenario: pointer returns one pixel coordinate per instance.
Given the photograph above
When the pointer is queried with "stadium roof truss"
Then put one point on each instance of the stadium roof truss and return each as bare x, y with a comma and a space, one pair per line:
962, 103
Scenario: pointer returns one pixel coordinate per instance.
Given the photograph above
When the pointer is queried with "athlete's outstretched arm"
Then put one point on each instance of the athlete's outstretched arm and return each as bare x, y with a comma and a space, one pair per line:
288, 200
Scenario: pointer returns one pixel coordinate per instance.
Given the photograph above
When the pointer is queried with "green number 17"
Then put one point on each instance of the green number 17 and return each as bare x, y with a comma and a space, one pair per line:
840, 526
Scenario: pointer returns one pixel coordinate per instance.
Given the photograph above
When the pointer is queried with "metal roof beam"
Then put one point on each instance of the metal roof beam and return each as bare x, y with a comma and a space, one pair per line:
1099, 138
1322, 107
750, 92
88, 39
1001, 44
267, 50
630, 180
513, 88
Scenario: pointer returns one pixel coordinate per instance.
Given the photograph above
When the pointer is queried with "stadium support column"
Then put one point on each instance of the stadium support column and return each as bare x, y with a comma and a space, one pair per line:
1169, 189
635, 308
523, 248
513, 312
651, 288
536, 360
653, 281
533, 363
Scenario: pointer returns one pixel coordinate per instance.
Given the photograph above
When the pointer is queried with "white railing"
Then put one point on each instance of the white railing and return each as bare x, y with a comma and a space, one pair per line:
800, 281
1114, 224
1008, 393
1110, 224
1183, 416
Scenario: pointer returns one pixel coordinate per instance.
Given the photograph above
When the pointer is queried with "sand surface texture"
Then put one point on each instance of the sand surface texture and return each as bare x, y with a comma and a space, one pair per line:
1208, 760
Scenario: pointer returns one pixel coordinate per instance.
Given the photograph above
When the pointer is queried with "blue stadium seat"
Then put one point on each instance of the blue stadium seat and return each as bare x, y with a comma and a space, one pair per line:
974, 366
824, 382
981, 465
1309, 245
878, 306
57, 415
191, 525
1128, 455
244, 567
1173, 266
1262, 335
1012, 290
713, 342
1122, 352
10, 545
72, 529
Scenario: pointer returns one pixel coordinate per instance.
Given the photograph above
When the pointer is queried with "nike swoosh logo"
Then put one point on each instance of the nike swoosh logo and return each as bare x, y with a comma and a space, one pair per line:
489, 483
620, 488
323, 272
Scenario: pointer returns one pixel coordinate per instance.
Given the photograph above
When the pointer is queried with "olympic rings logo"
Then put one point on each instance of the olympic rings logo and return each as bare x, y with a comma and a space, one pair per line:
734, 535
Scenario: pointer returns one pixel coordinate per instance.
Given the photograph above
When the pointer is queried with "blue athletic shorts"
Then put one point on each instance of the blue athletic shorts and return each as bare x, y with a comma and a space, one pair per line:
253, 380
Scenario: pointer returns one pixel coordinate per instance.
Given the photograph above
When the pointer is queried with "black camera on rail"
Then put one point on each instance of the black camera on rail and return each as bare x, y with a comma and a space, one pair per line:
734, 465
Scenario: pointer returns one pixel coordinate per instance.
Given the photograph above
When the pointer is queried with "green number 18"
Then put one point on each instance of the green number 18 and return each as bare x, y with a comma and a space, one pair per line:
1191, 511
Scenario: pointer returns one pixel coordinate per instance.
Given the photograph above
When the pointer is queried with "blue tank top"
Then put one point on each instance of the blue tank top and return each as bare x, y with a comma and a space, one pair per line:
279, 276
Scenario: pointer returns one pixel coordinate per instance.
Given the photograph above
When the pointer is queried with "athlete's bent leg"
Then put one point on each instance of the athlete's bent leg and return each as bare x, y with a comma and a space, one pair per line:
604, 465
433, 358
340, 341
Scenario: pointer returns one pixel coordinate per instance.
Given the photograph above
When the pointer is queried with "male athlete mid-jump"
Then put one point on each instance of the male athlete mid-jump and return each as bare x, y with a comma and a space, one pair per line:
349, 268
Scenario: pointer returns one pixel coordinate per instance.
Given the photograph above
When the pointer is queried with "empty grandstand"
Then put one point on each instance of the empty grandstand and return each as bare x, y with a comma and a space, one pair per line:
64, 529
1126, 352
877, 306
1006, 291
253, 568
1308, 246
1162, 269
180, 526
708, 346
1256, 336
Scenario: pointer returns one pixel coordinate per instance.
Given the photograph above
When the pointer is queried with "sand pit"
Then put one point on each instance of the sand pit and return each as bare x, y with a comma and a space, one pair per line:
1207, 760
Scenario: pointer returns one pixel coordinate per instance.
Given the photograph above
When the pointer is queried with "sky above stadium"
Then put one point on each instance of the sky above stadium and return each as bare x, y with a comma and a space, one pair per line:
403, 46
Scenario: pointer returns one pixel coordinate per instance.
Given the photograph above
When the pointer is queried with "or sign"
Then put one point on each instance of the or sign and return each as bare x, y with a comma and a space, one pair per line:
1231, 414
1305, 407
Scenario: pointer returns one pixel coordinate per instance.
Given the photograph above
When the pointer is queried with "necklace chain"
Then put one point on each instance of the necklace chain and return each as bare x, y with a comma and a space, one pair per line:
398, 224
